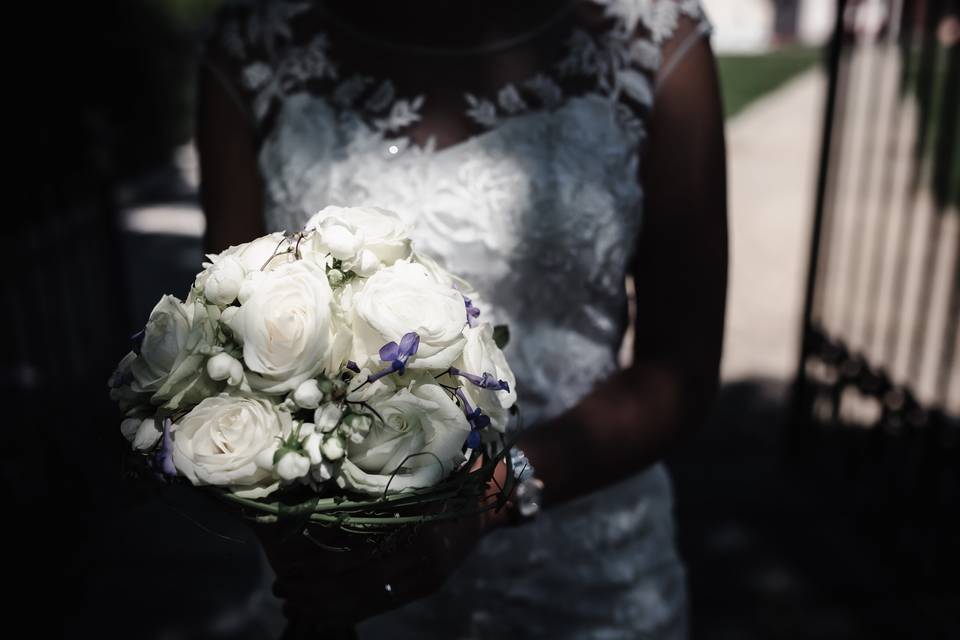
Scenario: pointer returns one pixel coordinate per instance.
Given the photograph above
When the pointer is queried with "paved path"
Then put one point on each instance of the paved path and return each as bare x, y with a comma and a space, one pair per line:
772, 149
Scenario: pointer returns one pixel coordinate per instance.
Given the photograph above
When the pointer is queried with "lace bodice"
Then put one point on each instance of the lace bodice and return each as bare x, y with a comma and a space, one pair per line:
539, 208
538, 205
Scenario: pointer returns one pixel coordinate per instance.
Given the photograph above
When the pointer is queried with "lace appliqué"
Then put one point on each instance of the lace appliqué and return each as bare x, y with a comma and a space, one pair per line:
619, 62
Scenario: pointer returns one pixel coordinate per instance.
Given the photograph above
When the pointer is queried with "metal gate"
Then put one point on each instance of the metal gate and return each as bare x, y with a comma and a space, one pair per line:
879, 374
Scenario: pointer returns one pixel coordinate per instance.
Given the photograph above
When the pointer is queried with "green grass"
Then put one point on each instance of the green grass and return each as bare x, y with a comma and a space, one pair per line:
744, 78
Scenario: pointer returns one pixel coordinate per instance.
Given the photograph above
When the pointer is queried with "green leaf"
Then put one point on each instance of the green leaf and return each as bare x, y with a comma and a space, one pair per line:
501, 335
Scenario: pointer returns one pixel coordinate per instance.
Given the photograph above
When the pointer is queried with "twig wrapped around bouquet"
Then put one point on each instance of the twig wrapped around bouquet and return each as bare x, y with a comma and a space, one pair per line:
332, 377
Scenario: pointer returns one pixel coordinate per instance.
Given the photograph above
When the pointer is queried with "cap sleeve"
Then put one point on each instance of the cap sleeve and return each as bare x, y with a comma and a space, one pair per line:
690, 26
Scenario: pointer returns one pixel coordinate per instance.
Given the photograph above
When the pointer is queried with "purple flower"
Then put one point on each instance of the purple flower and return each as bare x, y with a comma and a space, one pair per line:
472, 312
397, 355
164, 458
485, 381
473, 440
477, 421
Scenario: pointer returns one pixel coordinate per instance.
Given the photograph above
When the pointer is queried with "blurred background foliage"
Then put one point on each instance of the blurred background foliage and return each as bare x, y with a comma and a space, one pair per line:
746, 77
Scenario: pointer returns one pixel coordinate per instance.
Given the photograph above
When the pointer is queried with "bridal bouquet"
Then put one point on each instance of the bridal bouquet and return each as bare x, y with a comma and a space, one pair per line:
334, 375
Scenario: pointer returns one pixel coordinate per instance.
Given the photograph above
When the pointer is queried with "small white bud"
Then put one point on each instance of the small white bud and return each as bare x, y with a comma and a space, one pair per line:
223, 281
292, 466
308, 395
366, 263
327, 417
312, 446
321, 472
342, 243
223, 366
264, 459
142, 434
332, 448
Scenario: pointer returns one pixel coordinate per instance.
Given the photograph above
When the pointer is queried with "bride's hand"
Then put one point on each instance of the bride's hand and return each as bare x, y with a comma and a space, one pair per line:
338, 588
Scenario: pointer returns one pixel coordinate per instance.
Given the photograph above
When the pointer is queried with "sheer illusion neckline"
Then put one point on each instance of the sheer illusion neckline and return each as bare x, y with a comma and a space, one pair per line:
612, 50
494, 46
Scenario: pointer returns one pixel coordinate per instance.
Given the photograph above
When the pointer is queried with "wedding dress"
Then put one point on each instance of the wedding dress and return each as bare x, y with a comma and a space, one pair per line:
539, 208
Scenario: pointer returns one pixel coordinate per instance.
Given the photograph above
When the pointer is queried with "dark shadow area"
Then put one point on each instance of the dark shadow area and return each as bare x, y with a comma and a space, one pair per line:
787, 547
780, 541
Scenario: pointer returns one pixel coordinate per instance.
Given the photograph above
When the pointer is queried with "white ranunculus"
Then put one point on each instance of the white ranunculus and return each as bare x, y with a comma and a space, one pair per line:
363, 238
219, 440
142, 433
176, 339
404, 298
482, 355
417, 444
223, 281
285, 327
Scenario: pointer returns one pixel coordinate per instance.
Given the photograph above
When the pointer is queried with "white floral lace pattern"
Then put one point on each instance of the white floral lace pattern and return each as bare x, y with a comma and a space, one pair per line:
540, 210
619, 60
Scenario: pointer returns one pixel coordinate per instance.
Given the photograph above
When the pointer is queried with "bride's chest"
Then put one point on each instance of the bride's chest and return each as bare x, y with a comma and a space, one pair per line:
556, 183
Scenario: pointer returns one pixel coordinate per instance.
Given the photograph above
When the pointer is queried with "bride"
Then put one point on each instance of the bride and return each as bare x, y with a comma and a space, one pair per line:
544, 151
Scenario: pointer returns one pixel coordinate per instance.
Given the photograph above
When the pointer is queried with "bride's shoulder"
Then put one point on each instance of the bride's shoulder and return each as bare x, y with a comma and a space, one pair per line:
245, 28
656, 21
256, 48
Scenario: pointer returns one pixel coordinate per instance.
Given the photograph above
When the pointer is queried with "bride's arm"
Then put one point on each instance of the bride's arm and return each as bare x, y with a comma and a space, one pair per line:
231, 190
679, 269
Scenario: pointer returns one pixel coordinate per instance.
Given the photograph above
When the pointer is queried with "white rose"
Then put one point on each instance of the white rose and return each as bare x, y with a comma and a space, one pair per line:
470, 295
443, 276
251, 257
482, 355
417, 444
120, 383
285, 327
406, 298
222, 283
363, 238
359, 390
142, 433
219, 440
175, 342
